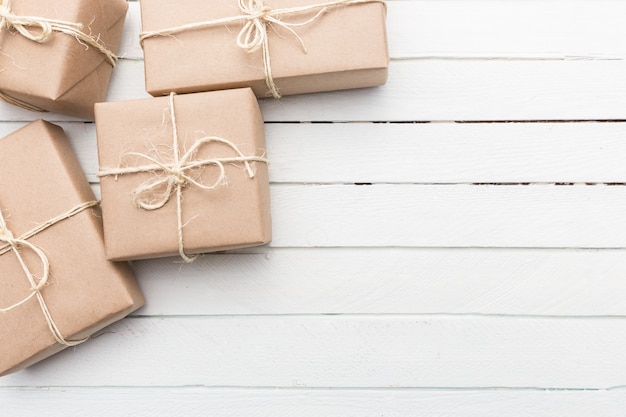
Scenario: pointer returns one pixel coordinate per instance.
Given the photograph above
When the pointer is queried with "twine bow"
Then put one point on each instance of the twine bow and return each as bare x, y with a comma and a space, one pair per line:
156, 192
15, 244
40, 30
256, 17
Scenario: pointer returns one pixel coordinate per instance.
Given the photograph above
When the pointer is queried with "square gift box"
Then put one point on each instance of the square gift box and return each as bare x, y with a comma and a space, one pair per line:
183, 174
62, 72
49, 220
276, 47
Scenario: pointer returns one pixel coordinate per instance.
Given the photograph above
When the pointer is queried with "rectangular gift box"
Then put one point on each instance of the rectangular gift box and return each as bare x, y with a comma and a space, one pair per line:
40, 179
61, 74
136, 134
346, 47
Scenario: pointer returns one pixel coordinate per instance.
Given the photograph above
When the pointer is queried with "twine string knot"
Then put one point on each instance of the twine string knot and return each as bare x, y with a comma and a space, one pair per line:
176, 175
40, 30
256, 16
13, 244
253, 36
250, 37
10, 20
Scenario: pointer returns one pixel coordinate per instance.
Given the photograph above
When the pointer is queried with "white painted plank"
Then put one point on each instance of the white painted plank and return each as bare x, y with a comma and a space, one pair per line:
448, 216
447, 152
422, 153
388, 281
510, 28
129, 46
442, 90
343, 351
229, 402
483, 28
436, 90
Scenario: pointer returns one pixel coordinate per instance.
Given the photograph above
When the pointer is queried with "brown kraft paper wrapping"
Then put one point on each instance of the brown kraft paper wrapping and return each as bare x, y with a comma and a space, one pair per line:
346, 48
229, 216
41, 179
61, 75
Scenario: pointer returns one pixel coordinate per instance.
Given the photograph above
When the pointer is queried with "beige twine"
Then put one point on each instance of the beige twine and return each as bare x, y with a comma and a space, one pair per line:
22, 24
177, 176
253, 36
40, 30
37, 284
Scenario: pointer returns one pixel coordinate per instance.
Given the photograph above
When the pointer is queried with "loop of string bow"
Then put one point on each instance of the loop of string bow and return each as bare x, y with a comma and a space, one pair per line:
256, 17
177, 174
15, 244
40, 30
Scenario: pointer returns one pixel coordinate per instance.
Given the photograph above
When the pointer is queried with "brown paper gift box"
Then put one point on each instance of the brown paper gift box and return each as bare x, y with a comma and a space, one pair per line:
61, 75
347, 48
232, 216
40, 179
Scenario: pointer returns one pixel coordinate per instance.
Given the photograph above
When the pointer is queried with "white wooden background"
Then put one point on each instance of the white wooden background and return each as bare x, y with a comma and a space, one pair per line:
450, 244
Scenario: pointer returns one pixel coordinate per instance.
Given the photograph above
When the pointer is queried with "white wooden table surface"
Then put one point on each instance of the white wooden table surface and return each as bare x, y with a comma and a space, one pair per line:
450, 244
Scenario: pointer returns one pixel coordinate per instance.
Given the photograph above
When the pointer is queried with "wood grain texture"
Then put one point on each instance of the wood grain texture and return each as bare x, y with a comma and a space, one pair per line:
437, 153
230, 402
481, 90
446, 152
344, 351
267, 281
436, 90
448, 216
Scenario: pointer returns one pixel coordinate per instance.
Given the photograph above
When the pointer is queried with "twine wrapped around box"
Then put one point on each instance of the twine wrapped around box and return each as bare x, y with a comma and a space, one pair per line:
14, 244
256, 17
176, 174
40, 30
